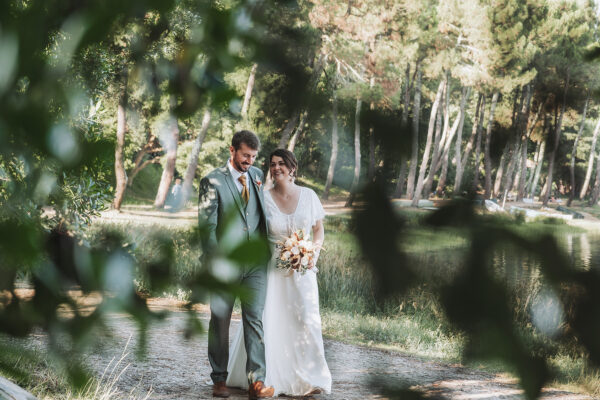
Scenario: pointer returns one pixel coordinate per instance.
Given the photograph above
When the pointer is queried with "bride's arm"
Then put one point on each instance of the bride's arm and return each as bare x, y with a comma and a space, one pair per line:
318, 237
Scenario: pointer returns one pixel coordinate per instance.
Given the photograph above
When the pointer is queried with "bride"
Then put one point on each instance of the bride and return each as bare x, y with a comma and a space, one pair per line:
294, 354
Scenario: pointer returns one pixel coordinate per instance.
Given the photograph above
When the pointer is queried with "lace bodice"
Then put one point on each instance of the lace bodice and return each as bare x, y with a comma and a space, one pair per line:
308, 211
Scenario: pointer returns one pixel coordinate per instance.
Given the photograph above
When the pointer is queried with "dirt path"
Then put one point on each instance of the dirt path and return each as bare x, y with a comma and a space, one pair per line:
176, 368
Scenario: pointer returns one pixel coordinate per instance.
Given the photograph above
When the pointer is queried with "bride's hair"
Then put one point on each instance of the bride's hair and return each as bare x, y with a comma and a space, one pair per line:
289, 159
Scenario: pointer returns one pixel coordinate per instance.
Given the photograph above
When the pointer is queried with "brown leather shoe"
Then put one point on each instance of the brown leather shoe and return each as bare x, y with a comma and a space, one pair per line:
220, 390
258, 390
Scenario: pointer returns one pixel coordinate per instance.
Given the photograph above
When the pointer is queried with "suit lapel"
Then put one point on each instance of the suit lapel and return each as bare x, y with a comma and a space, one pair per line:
233, 188
259, 192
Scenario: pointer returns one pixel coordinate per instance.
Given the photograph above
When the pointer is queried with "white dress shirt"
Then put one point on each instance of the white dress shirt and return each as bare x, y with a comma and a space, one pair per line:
235, 174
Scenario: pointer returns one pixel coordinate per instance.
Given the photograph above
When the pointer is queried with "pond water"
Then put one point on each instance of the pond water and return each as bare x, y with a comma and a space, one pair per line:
531, 297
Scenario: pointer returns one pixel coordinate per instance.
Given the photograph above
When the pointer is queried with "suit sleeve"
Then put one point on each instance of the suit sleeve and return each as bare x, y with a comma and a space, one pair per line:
208, 210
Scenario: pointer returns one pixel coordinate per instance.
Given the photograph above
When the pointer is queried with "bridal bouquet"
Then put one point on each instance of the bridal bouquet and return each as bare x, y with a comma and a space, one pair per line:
297, 253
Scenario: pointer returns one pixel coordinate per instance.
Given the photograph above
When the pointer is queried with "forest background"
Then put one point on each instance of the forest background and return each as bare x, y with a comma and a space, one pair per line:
106, 103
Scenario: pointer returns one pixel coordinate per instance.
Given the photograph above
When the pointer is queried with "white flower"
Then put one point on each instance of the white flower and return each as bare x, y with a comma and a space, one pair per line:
295, 250
285, 255
304, 260
288, 243
302, 243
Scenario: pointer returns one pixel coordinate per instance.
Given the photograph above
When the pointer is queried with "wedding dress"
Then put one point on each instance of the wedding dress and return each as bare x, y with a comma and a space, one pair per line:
294, 354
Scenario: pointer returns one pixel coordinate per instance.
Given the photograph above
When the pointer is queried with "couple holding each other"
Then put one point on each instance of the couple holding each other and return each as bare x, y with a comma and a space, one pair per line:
279, 349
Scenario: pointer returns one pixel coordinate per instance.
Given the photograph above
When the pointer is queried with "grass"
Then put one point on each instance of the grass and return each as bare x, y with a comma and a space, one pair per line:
415, 323
46, 379
414, 334
335, 192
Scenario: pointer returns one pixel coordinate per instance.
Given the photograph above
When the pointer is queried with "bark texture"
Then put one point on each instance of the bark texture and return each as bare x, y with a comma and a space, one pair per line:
410, 184
574, 153
248, 94
170, 146
488, 140
588, 173
356, 179
557, 132
425, 159
120, 175
334, 148
190, 171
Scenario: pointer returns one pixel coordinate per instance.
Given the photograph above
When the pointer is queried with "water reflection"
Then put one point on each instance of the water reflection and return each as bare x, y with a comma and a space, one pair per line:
520, 272
583, 250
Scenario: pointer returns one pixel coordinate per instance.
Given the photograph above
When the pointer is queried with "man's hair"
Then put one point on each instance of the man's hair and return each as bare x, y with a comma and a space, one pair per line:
289, 159
246, 137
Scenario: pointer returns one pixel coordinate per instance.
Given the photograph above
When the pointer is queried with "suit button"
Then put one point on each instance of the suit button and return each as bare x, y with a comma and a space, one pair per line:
247, 214
245, 229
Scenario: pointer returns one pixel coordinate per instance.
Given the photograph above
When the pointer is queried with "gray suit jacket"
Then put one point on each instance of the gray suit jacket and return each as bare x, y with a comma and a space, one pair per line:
220, 200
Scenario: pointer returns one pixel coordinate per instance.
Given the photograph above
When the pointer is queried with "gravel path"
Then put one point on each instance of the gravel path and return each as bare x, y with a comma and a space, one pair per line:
175, 368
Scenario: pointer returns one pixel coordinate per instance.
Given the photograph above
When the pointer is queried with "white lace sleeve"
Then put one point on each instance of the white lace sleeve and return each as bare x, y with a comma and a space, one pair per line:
317, 211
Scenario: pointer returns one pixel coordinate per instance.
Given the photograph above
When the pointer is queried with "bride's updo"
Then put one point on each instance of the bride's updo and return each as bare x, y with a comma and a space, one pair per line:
289, 159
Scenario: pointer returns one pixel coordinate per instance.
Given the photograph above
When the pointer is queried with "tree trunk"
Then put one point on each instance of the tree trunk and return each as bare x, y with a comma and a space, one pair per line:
314, 79
478, 145
469, 146
169, 169
287, 131
530, 128
401, 177
524, 142
445, 156
488, 141
460, 169
442, 181
518, 169
549, 137
403, 129
538, 170
513, 158
449, 137
439, 139
121, 176
415, 137
535, 162
515, 172
500, 170
574, 153
406, 99
355, 181
596, 191
430, 175
371, 169
151, 146
425, 159
556, 142
438, 147
334, 147
588, 173
190, 172
249, 88
458, 146
298, 132
371, 166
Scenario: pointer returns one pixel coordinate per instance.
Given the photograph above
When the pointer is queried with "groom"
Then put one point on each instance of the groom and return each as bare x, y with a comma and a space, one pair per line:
237, 186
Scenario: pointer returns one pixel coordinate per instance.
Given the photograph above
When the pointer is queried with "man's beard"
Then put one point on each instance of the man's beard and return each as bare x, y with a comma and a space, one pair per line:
241, 167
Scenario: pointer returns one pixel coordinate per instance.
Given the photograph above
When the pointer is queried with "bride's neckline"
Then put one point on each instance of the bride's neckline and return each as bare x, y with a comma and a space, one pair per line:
279, 209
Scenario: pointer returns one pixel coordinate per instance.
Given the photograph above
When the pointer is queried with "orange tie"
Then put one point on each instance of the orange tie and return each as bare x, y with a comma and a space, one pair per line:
245, 192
